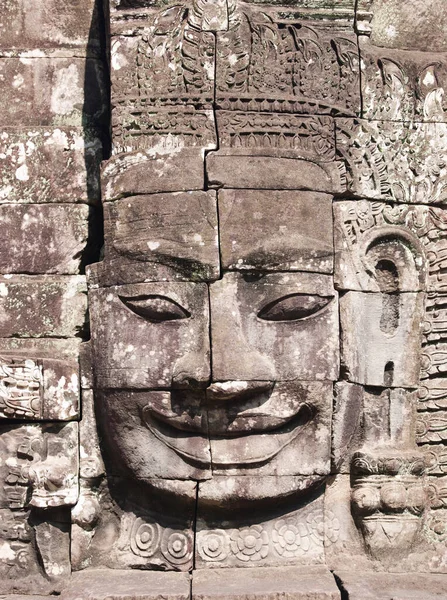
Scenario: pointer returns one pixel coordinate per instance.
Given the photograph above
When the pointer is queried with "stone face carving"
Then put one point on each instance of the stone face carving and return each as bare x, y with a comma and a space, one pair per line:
257, 396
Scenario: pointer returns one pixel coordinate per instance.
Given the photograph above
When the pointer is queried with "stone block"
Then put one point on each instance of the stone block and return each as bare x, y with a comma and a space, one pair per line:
42, 464
139, 126
161, 69
347, 548
45, 238
435, 457
292, 537
154, 434
281, 327
151, 172
403, 162
40, 389
314, 583
20, 562
64, 29
381, 340
51, 91
91, 466
403, 85
239, 494
392, 586
332, 85
276, 230
272, 171
150, 335
40, 165
126, 525
383, 247
431, 427
86, 365
346, 425
37, 348
162, 237
278, 135
53, 543
409, 26
270, 429
393, 248
434, 360
42, 306
103, 584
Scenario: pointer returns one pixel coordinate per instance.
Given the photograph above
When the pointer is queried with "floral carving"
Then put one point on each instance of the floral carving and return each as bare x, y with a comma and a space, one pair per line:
145, 538
436, 526
250, 544
176, 546
290, 538
213, 546
324, 527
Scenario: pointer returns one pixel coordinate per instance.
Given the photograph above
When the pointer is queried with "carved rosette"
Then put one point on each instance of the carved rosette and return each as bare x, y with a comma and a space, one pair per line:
214, 546
145, 538
290, 538
250, 544
176, 547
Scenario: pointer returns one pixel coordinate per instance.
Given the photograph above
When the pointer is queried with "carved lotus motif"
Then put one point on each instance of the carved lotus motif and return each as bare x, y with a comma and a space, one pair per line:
323, 527
145, 538
250, 544
213, 546
290, 538
176, 546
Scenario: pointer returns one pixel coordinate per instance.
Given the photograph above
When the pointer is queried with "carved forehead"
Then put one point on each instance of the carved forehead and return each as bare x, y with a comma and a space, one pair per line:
192, 235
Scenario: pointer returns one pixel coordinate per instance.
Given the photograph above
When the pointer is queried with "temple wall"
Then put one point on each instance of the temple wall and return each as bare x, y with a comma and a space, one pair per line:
223, 299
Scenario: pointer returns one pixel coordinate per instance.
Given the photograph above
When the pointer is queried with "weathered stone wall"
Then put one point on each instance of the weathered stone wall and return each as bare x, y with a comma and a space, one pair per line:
255, 400
53, 107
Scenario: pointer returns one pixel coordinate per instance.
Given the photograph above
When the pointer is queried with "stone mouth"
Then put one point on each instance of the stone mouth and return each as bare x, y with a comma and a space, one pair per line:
252, 437
227, 409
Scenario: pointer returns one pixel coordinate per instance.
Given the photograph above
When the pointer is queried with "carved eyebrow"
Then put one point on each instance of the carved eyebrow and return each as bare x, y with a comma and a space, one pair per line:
294, 307
155, 308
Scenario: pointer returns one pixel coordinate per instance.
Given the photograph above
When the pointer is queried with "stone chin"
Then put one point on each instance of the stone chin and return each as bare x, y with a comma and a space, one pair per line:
169, 435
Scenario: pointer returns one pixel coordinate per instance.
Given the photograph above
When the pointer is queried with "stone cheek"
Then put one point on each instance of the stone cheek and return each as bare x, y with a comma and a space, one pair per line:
299, 414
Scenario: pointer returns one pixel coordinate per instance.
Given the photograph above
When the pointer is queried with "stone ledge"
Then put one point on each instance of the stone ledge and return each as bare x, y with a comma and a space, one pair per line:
393, 586
285, 583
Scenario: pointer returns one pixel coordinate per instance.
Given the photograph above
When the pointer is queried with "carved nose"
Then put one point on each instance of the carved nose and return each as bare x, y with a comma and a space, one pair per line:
192, 371
231, 363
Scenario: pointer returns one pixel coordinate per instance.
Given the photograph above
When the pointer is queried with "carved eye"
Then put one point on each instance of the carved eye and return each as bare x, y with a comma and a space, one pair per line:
294, 307
155, 308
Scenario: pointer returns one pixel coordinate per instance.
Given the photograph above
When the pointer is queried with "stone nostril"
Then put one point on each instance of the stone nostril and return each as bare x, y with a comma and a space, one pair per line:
232, 391
186, 380
192, 371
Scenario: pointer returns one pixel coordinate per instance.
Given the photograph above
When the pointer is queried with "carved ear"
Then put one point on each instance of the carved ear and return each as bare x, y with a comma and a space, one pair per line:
395, 260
